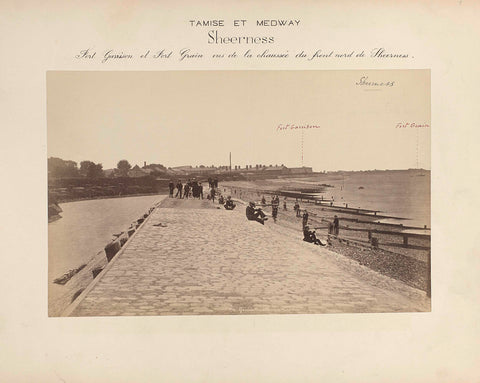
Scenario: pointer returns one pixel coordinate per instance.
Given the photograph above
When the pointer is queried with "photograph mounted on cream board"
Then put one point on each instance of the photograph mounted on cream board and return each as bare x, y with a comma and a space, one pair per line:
379, 140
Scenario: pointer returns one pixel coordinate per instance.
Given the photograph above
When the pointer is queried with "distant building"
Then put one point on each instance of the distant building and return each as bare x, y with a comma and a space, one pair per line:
266, 170
181, 169
109, 172
275, 169
154, 168
302, 170
137, 172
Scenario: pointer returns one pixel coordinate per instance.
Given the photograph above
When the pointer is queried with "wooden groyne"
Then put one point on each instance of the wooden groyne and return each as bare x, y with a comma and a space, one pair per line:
325, 204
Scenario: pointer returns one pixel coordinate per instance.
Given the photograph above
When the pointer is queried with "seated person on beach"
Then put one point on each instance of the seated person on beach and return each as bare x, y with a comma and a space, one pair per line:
221, 200
229, 205
255, 214
309, 236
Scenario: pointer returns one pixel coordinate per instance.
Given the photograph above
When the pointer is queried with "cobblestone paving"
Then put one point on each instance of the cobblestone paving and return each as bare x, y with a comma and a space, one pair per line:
216, 262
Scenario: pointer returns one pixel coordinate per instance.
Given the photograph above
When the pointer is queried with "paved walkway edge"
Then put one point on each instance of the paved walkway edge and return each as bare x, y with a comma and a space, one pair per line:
72, 306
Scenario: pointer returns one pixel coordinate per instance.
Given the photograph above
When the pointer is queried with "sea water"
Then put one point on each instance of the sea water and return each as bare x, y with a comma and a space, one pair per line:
395, 193
87, 226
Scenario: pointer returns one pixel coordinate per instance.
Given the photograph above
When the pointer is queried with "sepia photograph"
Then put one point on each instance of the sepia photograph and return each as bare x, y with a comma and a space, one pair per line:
238, 192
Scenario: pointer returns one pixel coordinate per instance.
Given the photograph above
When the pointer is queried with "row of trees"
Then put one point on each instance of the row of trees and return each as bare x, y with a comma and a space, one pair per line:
58, 168
123, 166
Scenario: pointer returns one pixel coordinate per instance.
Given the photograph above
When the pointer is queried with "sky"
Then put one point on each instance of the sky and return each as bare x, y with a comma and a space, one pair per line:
195, 118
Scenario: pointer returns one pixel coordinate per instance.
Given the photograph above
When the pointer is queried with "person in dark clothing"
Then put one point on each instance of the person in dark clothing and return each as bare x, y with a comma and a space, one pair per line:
274, 213
195, 191
264, 202
229, 205
305, 219
186, 190
309, 236
255, 214
171, 186
179, 189
336, 225
190, 187
215, 183
275, 205
296, 207
200, 190
212, 194
285, 203
221, 200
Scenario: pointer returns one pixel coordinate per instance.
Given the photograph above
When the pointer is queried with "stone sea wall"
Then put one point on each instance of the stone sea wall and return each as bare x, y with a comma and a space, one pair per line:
71, 284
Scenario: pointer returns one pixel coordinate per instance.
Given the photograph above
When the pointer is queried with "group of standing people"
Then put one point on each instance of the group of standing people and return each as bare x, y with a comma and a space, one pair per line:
213, 183
192, 188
